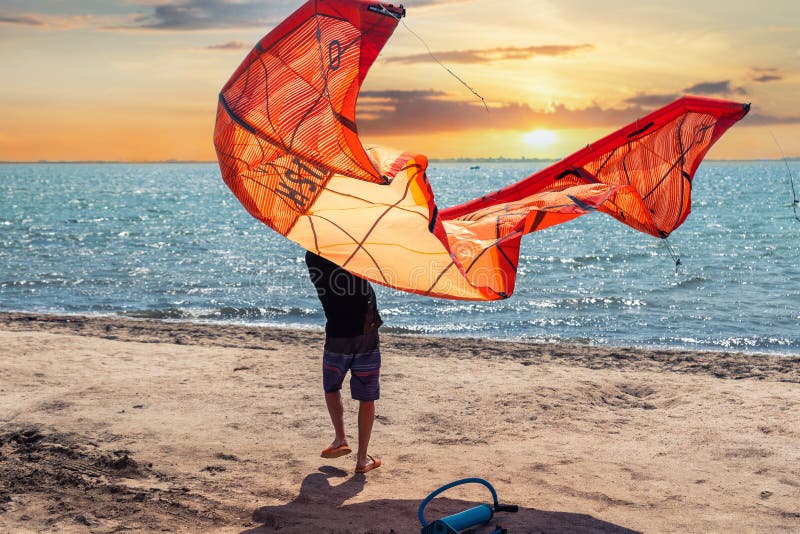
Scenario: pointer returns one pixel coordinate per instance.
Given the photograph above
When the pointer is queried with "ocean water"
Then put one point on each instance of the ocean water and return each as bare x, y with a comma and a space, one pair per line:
170, 241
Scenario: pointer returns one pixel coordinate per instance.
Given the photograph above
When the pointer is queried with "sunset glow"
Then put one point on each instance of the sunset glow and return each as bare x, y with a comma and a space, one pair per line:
137, 80
540, 138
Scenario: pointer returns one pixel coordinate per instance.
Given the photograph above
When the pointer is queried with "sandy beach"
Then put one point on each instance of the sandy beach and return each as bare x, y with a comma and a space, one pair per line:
111, 425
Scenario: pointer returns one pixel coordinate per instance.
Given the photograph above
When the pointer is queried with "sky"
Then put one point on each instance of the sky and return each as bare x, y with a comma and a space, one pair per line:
138, 80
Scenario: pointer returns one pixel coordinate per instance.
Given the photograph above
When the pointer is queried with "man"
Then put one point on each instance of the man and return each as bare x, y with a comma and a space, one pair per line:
351, 343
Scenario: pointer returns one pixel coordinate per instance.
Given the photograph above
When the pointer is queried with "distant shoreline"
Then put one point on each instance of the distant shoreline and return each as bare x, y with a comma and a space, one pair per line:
432, 160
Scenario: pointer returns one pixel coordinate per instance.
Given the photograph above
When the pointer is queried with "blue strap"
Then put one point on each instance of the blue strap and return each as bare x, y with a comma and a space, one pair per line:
446, 487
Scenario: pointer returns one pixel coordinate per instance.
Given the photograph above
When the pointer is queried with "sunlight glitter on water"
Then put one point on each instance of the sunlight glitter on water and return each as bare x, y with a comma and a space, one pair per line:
171, 241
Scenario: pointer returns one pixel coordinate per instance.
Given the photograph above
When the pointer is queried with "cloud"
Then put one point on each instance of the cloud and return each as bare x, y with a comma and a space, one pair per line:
176, 15
714, 88
645, 100
768, 78
375, 106
396, 113
38, 21
210, 14
413, 112
718, 88
649, 101
21, 20
766, 74
399, 95
230, 45
488, 55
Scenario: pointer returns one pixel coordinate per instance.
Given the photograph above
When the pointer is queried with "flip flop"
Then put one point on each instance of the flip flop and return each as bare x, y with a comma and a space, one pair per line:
373, 464
335, 452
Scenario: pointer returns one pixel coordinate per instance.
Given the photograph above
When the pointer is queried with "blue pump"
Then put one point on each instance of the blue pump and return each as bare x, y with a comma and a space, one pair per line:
473, 517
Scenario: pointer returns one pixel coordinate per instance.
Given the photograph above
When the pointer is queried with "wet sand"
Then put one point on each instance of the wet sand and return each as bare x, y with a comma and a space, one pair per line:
111, 424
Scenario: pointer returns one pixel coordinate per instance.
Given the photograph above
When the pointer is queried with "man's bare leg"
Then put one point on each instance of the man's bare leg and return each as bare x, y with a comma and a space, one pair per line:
366, 416
336, 411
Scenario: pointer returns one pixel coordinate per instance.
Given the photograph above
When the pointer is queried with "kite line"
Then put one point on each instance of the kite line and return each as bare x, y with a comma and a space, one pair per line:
436, 59
795, 200
673, 255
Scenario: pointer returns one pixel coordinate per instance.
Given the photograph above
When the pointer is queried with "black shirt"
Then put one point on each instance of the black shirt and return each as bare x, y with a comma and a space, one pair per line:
348, 301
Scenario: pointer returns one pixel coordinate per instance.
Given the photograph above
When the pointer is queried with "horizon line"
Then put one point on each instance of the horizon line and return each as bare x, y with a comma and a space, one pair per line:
456, 159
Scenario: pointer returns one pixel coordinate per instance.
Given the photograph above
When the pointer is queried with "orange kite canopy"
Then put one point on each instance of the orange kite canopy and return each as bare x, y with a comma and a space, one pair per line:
288, 148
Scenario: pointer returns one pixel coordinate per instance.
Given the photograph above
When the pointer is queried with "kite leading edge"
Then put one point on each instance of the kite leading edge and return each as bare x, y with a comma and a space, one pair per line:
288, 148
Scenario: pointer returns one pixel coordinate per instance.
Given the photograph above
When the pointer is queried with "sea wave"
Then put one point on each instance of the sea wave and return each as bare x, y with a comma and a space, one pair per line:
133, 240
226, 313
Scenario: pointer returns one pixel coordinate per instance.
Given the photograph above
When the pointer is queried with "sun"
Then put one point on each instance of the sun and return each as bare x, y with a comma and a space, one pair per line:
540, 138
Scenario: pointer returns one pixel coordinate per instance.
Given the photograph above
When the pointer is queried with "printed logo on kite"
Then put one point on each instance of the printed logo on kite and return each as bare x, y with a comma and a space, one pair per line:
299, 185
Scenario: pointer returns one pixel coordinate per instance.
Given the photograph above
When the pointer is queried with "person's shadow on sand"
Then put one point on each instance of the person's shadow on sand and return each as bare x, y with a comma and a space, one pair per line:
320, 507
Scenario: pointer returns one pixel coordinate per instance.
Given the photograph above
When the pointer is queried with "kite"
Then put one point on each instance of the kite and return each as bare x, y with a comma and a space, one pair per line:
287, 143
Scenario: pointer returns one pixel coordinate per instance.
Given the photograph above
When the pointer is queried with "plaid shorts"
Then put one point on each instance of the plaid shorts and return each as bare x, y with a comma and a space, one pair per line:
361, 355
